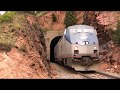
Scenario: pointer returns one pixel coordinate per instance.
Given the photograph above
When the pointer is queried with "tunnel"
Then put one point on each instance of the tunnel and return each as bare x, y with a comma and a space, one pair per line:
52, 45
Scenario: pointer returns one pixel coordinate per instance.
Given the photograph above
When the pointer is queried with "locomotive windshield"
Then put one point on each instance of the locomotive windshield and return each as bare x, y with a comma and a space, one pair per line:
75, 31
81, 35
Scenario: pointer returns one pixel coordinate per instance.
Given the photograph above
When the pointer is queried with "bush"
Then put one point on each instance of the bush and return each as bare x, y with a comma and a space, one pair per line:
7, 41
70, 19
54, 19
116, 36
22, 48
29, 12
7, 17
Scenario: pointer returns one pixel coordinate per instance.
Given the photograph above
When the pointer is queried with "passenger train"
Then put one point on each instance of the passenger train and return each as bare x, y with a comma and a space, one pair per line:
78, 48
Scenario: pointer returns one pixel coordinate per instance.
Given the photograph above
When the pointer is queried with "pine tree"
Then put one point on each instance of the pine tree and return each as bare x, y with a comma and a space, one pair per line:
54, 19
116, 36
70, 19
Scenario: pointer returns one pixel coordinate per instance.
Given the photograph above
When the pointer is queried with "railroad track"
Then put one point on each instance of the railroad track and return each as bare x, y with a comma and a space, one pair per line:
92, 74
98, 75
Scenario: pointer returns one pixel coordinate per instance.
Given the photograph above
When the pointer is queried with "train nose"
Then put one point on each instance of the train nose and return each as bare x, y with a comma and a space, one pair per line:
76, 48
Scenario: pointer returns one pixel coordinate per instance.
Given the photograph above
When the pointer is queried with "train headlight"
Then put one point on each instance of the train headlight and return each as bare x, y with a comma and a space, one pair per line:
76, 47
83, 43
95, 47
87, 43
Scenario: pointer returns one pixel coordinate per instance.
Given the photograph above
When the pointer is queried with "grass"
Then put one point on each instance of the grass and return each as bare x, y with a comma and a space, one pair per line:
7, 17
22, 48
41, 13
8, 38
6, 41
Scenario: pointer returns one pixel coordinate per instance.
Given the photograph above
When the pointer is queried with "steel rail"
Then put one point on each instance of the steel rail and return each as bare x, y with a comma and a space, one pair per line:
108, 75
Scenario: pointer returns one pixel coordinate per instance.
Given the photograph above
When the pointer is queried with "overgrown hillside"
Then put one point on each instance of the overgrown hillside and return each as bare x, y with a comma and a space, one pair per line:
22, 46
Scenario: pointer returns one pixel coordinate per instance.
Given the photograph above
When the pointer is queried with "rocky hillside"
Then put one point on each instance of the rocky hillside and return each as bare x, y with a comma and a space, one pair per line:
105, 23
22, 48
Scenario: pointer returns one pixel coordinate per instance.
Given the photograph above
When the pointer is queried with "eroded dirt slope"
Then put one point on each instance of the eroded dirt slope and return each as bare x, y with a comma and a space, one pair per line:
23, 55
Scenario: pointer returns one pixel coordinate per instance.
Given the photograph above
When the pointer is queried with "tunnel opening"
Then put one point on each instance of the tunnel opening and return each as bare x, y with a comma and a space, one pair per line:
52, 45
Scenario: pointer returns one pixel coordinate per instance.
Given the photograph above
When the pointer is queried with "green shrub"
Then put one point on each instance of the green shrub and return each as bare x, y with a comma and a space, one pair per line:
28, 12
70, 19
116, 35
7, 41
54, 19
22, 48
7, 17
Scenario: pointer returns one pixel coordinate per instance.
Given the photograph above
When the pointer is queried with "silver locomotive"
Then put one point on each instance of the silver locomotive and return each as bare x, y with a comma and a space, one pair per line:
78, 48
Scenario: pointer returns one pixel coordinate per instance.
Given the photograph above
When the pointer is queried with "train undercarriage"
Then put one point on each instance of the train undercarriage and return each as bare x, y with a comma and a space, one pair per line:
81, 64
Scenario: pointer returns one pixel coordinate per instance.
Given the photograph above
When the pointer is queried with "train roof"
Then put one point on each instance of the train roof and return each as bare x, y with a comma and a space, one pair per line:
80, 27
78, 33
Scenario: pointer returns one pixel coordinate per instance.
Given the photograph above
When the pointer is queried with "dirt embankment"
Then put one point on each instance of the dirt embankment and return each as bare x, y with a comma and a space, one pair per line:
46, 23
26, 58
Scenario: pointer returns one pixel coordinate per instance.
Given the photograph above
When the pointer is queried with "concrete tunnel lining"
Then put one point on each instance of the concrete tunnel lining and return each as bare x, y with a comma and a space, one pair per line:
49, 37
52, 45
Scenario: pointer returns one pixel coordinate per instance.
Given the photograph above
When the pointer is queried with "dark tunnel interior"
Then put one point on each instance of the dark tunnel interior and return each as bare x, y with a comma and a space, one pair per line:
52, 45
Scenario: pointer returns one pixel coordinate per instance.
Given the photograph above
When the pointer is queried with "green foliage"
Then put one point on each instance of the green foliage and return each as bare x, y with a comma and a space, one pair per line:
7, 17
6, 41
30, 12
116, 36
70, 19
54, 19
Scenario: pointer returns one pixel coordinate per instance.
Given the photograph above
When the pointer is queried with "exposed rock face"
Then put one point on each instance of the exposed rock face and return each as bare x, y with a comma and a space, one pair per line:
110, 57
90, 18
27, 58
45, 21
104, 21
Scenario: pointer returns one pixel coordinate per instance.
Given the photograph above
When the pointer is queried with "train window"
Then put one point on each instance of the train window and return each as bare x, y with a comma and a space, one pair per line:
72, 30
78, 30
88, 30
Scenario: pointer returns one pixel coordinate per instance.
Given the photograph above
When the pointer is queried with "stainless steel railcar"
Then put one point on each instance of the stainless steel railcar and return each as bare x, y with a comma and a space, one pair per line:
78, 48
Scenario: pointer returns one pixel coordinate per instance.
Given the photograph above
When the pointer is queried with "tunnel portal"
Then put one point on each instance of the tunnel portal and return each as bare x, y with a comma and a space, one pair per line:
51, 39
52, 45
